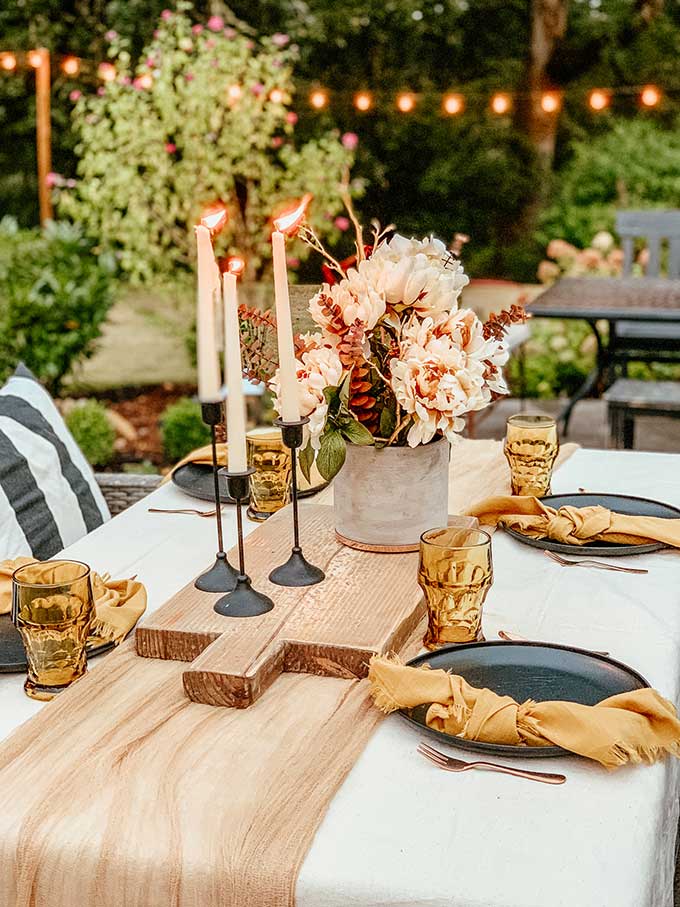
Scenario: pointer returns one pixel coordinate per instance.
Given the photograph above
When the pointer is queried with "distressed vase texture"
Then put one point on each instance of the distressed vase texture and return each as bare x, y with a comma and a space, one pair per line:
385, 499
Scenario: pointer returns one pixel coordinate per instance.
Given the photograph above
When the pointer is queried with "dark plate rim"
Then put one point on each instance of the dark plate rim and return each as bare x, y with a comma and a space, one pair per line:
502, 749
612, 550
227, 500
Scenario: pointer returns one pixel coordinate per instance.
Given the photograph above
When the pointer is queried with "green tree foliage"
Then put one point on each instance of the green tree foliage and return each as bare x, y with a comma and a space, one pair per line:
166, 139
55, 293
635, 164
183, 429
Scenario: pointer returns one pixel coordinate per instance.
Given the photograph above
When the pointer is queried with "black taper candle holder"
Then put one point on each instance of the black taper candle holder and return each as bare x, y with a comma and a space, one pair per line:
221, 577
297, 571
244, 601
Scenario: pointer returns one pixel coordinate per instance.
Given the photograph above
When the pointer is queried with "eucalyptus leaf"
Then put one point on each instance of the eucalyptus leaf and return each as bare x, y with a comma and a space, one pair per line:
306, 460
357, 433
331, 456
388, 422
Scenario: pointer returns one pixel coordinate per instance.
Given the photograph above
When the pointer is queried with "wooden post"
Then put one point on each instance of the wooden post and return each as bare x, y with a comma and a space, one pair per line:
43, 127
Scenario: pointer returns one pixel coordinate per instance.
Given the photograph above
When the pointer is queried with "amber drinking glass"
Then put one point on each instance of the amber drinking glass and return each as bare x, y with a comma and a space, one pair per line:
531, 448
270, 483
455, 574
52, 608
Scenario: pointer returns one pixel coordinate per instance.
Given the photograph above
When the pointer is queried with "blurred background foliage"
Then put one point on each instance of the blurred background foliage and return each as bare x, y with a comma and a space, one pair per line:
490, 177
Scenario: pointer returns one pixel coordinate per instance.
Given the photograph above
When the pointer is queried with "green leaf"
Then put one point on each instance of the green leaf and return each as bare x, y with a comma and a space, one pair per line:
306, 459
332, 395
331, 454
388, 422
344, 390
357, 433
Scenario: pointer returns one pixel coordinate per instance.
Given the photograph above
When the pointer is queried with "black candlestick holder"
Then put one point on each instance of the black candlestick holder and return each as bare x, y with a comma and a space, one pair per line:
244, 601
221, 577
297, 571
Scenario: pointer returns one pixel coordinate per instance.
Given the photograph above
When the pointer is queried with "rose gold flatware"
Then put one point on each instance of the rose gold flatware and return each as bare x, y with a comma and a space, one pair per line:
449, 764
515, 637
597, 565
207, 513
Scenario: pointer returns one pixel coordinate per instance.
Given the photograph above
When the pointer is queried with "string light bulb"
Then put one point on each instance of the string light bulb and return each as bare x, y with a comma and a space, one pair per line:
276, 96
453, 104
71, 66
500, 103
550, 101
363, 101
9, 62
234, 92
318, 99
34, 59
106, 72
145, 80
406, 102
236, 264
650, 96
598, 99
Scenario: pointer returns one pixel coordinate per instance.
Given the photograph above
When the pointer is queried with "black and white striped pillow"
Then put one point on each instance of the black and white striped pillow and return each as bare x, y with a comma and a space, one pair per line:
49, 497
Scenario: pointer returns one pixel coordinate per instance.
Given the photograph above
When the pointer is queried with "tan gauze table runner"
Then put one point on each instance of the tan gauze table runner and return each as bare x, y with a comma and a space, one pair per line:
123, 793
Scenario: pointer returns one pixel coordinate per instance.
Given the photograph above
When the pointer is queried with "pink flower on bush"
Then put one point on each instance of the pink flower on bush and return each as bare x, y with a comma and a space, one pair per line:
215, 23
210, 43
196, 29
560, 248
125, 80
101, 91
292, 261
111, 35
277, 141
350, 140
52, 179
170, 147
643, 259
250, 44
280, 40
548, 271
230, 33
291, 117
166, 14
257, 88
189, 77
74, 95
342, 223
156, 34
71, 184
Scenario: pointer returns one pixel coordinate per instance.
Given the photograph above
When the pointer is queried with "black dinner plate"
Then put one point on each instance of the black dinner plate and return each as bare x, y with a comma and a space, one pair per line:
526, 670
621, 503
12, 655
196, 479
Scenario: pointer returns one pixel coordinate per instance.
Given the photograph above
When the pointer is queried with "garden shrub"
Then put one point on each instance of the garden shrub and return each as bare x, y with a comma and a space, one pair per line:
94, 434
183, 429
55, 293
636, 164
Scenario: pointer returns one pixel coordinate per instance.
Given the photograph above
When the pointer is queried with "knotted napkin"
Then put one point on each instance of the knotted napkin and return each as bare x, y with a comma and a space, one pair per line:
574, 525
640, 726
118, 603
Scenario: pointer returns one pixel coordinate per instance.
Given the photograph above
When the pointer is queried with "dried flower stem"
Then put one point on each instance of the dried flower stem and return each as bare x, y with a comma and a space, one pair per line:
309, 238
358, 229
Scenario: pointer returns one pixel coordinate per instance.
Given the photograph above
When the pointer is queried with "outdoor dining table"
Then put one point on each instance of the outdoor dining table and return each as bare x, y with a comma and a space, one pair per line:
401, 832
614, 300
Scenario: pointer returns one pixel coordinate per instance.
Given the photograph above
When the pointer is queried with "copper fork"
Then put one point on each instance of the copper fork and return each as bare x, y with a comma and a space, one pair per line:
597, 565
449, 764
187, 510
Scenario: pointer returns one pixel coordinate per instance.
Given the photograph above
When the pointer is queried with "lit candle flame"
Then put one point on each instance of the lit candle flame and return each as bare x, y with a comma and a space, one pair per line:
288, 223
215, 221
236, 265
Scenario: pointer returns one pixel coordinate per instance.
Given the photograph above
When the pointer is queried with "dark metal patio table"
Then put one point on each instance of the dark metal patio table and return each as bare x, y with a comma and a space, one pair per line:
593, 299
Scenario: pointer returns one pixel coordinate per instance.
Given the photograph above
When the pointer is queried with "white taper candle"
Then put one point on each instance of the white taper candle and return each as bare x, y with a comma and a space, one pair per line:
209, 382
288, 386
236, 410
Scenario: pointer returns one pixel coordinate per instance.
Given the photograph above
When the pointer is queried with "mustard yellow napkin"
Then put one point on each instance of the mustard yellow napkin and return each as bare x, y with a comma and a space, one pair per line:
574, 525
640, 726
118, 603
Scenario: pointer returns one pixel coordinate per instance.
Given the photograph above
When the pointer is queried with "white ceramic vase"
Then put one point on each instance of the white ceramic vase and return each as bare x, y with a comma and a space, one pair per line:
385, 499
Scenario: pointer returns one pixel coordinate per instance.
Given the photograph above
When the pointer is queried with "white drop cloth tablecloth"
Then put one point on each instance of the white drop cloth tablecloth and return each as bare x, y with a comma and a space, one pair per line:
400, 832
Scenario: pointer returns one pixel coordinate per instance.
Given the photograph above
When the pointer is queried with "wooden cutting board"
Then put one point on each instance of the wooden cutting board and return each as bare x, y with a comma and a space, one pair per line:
367, 603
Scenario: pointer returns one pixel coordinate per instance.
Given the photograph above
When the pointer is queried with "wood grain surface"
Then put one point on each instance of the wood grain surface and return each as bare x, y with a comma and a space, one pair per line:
367, 603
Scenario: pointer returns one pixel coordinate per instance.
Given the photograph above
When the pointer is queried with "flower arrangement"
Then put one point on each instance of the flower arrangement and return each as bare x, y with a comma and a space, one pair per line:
395, 361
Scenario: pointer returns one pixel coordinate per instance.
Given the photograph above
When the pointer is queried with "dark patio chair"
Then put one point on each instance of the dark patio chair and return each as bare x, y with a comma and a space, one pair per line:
647, 341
